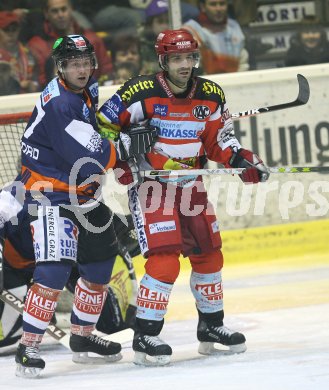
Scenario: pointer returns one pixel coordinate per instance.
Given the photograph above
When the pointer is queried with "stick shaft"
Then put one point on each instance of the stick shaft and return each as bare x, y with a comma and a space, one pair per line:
230, 171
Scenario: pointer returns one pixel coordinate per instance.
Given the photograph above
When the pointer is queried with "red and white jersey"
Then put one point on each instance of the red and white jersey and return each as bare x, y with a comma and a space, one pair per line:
192, 125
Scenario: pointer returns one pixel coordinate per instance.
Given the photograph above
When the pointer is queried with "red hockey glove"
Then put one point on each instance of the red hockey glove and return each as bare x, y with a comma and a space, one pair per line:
126, 173
255, 171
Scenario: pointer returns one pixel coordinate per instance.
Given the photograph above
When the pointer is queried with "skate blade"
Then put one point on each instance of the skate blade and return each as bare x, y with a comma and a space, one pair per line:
84, 358
142, 359
27, 372
207, 348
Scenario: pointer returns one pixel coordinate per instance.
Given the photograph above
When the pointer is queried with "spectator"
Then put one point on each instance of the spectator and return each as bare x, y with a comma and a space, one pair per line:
309, 46
157, 20
125, 49
59, 21
8, 84
23, 64
123, 72
221, 40
119, 16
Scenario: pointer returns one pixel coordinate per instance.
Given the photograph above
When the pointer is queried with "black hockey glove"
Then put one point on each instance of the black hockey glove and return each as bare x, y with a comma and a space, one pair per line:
143, 137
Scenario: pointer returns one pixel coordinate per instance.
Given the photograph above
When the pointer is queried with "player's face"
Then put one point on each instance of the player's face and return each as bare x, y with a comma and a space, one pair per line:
180, 67
216, 10
77, 72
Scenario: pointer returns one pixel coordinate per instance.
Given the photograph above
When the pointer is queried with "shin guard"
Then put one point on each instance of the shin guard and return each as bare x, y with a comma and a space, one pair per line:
152, 300
39, 308
207, 291
89, 299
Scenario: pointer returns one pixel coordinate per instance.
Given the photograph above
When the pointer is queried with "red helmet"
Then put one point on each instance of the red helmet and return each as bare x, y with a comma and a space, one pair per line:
175, 41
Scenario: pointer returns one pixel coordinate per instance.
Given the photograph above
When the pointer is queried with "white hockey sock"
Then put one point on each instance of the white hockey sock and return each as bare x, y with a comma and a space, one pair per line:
153, 297
40, 304
87, 308
207, 290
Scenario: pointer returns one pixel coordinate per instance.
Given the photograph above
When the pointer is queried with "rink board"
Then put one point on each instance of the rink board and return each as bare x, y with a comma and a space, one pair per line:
291, 244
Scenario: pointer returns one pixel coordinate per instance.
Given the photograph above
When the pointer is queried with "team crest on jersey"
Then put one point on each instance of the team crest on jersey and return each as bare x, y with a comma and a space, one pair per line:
160, 109
201, 112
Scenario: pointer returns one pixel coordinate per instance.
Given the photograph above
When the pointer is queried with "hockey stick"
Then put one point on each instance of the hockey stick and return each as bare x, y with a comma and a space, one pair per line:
302, 98
1, 264
57, 333
230, 171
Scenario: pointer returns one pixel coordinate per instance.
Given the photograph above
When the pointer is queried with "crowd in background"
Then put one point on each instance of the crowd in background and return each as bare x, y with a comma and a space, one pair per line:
123, 34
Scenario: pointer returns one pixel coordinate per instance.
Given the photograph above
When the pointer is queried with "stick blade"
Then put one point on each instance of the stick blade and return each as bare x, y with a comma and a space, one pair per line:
304, 89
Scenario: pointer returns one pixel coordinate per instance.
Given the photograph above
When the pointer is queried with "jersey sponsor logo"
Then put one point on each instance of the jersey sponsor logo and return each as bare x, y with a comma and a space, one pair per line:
179, 114
160, 109
179, 134
201, 112
94, 142
162, 227
211, 88
50, 92
111, 109
30, 151
93, 88
164, 85
130, 90
178, 129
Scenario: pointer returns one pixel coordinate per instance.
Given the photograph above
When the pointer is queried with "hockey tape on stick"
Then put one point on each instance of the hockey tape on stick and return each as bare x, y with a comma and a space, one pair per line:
57, 333
230, 171
302, 98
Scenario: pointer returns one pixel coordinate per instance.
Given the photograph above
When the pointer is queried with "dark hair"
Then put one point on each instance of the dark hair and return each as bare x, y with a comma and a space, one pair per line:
123, 41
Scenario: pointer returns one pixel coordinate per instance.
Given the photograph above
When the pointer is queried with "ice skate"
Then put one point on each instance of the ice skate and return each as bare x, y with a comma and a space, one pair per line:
208, 335
151, 351
81, 346
29, 362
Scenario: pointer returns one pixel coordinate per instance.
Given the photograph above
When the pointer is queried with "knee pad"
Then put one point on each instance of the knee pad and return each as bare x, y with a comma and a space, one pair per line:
207, 263
163, 266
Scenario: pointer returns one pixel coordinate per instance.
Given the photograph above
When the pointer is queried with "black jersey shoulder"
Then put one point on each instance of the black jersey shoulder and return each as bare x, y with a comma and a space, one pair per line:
208, 89
138, 88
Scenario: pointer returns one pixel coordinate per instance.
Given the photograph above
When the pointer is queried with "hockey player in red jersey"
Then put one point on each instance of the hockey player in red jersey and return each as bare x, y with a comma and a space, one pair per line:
63, 158
194, 125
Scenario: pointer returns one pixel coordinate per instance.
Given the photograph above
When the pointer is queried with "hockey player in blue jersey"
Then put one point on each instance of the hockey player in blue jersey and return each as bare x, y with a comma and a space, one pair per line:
63, 158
